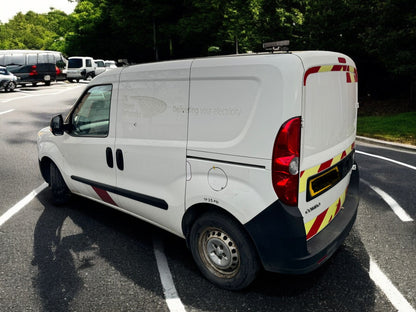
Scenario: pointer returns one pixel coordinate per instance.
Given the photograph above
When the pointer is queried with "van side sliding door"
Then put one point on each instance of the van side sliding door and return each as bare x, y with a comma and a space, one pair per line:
151, 139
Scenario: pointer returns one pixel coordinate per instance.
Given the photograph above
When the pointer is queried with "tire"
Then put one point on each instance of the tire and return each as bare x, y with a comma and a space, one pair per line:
60, 192
223, 251
47, 83
10, 86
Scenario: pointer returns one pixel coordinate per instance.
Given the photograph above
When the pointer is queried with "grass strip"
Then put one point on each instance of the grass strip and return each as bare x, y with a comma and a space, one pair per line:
399, 128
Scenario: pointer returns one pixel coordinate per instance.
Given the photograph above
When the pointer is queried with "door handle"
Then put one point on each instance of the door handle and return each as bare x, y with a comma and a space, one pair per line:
109, 157
119, 159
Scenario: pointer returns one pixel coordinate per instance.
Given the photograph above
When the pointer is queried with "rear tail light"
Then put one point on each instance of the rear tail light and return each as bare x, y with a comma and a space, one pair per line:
33, 71
58, 70
285, 166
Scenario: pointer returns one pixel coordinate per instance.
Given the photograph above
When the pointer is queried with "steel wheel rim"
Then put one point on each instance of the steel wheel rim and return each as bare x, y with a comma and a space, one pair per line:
219, 252
11, 86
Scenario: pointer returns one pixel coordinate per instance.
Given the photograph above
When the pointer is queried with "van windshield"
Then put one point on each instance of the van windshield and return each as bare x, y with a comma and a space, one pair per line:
74, 63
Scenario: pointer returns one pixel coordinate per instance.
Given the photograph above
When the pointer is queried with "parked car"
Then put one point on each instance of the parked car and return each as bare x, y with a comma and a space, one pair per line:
110, 64
80, 67
99, 67
8, 81
61, 69
31, 66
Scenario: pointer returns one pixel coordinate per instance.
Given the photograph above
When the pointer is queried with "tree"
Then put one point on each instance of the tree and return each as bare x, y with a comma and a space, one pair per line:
390, 37
282, 20
34, 31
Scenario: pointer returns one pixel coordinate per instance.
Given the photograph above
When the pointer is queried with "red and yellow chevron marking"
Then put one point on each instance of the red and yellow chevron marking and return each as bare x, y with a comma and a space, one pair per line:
305, 174
317, 224
351, 72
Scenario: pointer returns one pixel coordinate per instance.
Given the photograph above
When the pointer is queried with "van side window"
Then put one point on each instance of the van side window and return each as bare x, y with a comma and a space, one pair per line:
88, 63
91, 117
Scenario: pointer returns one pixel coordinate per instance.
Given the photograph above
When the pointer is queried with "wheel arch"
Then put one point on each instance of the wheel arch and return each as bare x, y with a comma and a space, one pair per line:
44, 165
197, 210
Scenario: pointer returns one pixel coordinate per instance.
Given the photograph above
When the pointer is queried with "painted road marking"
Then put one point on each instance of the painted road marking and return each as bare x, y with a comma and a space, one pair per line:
387, 159
21, 204
384, 283
397, 209
5, 112
30, 94
171, 296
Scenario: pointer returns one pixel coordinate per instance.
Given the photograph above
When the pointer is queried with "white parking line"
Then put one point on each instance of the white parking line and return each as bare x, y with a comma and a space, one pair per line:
21, 204
171, 296
383, 282
5, 112
30, 94
397, 209
387, 159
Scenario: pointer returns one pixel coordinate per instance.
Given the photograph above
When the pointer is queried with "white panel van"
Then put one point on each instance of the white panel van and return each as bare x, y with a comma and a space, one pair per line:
80, 67
250, 158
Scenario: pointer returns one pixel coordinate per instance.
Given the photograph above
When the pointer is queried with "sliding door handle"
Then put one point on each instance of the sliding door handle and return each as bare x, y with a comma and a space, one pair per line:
109, 157
119, 159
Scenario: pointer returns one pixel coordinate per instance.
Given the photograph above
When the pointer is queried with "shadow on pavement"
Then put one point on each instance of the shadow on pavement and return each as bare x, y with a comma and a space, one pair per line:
103, 240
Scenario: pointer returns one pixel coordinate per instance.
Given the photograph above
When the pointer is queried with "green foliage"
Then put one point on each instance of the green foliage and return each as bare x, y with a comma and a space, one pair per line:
398, 128
390, 35
34, 31
380, 35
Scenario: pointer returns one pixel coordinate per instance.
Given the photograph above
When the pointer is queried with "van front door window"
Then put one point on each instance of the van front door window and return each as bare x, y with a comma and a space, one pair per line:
91, 117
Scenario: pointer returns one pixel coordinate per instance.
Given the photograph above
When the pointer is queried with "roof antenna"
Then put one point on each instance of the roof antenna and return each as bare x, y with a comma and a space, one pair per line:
276, 46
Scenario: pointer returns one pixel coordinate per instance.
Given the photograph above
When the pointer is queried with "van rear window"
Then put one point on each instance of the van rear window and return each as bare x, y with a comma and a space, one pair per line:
74, 63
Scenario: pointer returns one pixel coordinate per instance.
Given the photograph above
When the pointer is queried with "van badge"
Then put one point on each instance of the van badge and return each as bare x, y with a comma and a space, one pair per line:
312, 208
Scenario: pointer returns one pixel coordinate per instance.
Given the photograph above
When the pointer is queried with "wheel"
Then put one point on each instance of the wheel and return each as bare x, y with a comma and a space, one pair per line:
223, 251
10, 86
60, 191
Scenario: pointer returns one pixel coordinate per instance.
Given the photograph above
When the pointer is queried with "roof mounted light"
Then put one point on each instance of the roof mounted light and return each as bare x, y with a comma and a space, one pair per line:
276, 45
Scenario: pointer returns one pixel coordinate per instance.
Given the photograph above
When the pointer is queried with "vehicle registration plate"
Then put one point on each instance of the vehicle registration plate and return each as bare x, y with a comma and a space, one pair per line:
47, 78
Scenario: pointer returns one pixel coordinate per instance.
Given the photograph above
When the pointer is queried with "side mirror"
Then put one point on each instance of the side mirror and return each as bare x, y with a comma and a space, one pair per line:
57, 125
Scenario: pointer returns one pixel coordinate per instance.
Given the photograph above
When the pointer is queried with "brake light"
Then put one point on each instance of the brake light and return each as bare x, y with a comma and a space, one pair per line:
58, 70
285, 166
33, 71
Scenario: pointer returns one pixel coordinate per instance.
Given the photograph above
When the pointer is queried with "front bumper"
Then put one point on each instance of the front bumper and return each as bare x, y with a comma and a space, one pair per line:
279, 234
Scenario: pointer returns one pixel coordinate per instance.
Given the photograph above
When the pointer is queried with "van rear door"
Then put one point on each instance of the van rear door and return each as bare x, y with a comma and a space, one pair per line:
327, 139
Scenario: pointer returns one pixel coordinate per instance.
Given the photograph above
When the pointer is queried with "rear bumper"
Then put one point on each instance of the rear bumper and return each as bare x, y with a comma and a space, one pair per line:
279, 235
37, 78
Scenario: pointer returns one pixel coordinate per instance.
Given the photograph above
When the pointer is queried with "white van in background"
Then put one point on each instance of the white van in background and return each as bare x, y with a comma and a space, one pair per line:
110, 64
250, 158
80, 67
99, 67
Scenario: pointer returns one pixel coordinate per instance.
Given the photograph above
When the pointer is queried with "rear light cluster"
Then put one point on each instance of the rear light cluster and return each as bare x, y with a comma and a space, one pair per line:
33, 71
285, 166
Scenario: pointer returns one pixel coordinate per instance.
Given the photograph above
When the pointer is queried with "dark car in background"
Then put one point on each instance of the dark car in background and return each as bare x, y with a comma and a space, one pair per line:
32, 66
61, 64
